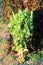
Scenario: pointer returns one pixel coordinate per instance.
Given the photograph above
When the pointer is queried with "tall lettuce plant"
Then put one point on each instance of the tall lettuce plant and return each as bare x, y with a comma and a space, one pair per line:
21, 28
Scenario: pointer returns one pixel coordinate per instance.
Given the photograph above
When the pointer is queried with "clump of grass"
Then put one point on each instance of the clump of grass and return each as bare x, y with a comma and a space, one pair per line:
36, 57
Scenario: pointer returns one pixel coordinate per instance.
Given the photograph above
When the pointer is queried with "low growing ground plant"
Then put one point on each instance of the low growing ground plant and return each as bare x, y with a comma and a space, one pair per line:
21, 28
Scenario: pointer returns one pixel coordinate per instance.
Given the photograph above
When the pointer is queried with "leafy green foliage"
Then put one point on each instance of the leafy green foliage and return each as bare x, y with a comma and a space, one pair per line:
36, 57
21, 28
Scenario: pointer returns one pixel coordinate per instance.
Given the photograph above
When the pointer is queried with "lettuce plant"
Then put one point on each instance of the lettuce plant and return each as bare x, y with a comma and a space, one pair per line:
21, 28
